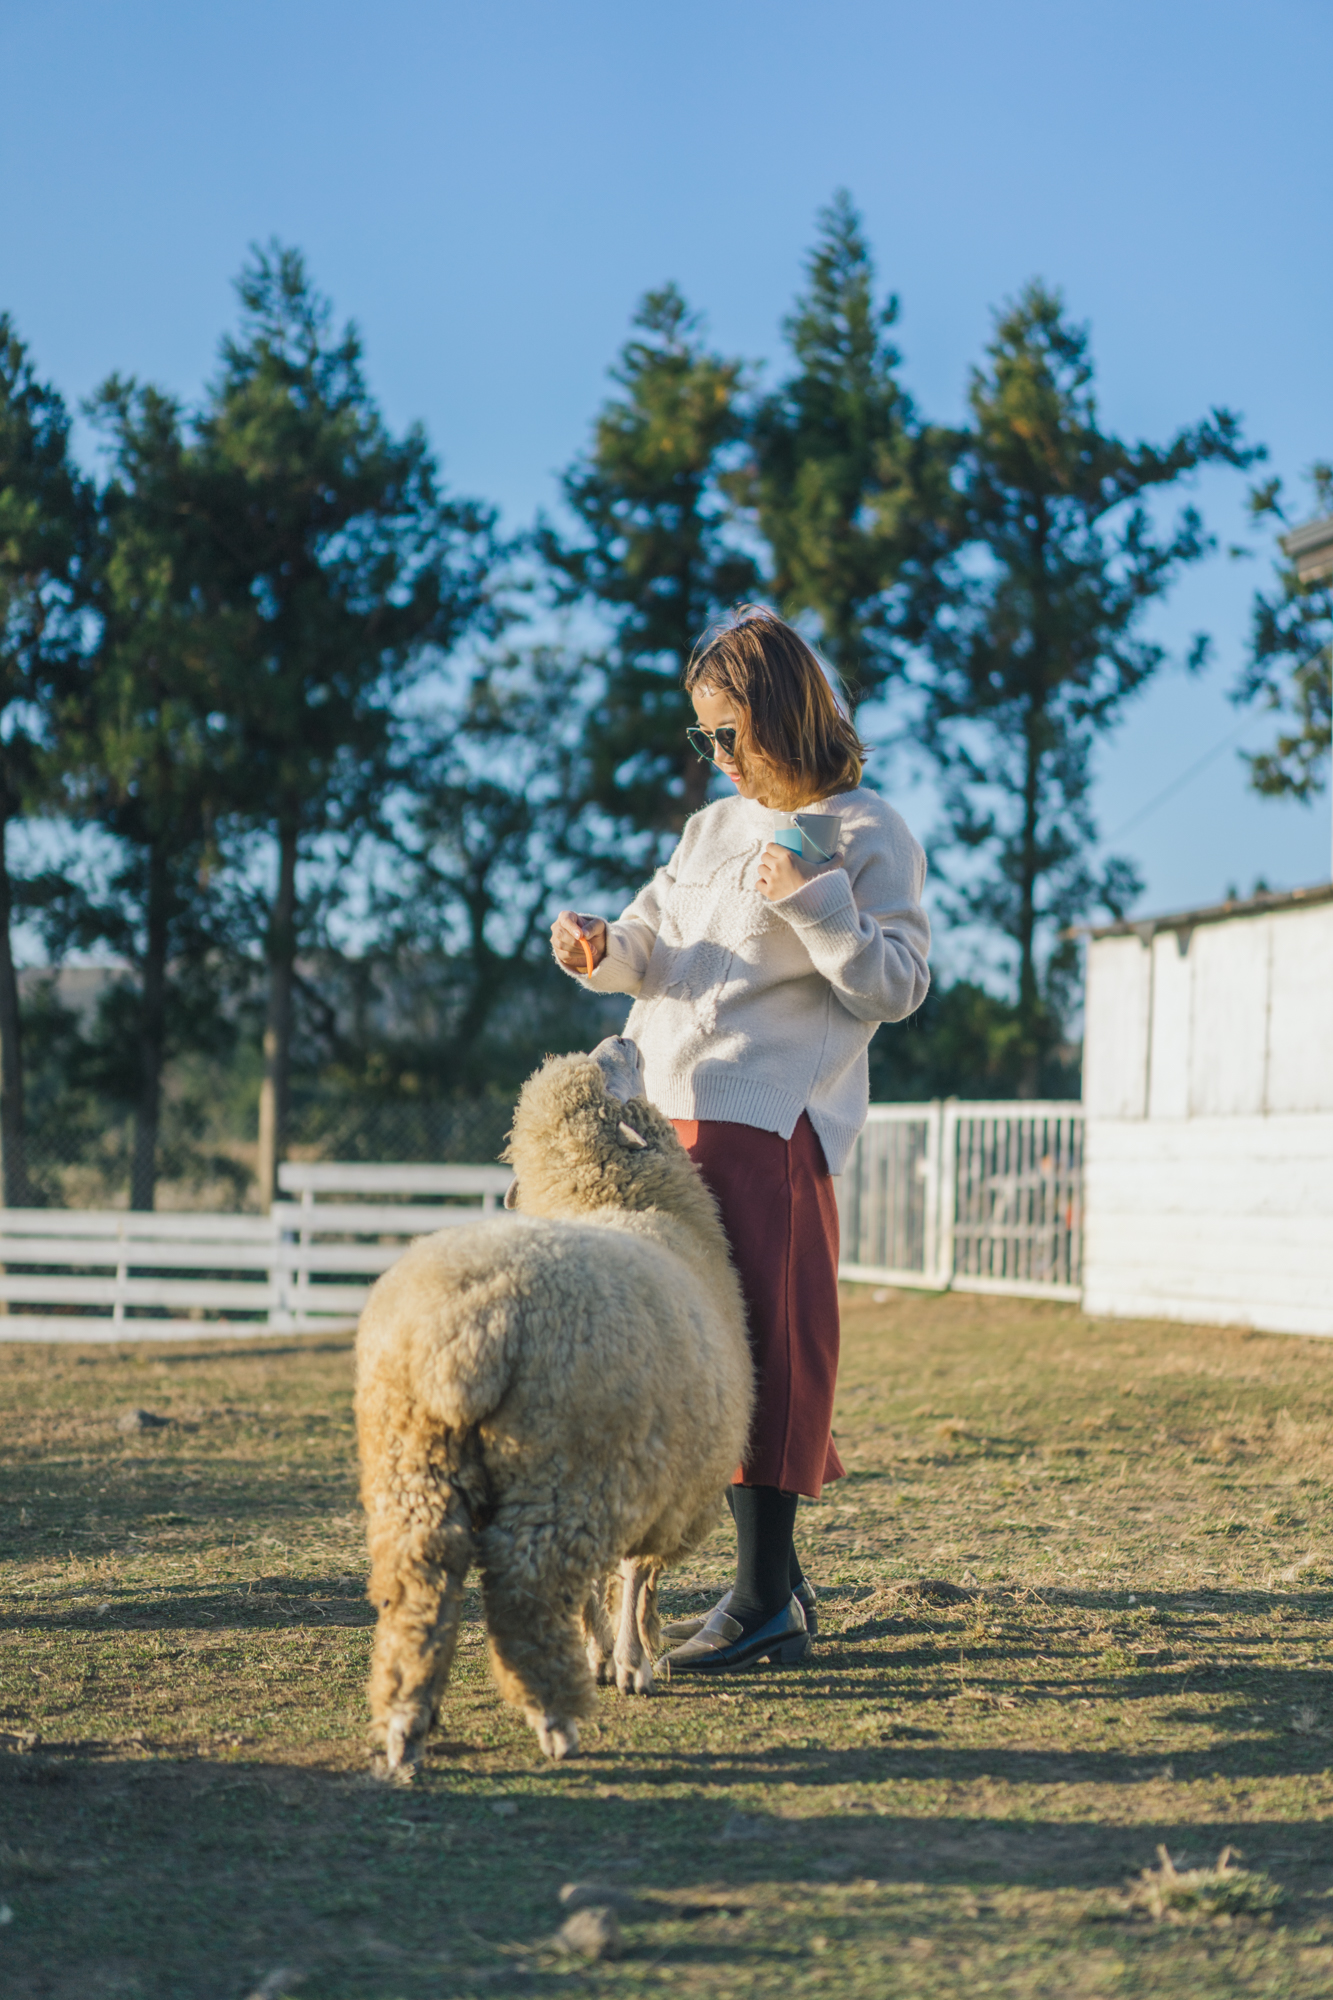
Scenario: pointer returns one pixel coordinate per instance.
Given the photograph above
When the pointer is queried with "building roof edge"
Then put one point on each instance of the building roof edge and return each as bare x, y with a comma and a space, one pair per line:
1211, 913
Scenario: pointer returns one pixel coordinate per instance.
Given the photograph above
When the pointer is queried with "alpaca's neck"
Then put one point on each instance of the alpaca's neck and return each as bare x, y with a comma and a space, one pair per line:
698, 1240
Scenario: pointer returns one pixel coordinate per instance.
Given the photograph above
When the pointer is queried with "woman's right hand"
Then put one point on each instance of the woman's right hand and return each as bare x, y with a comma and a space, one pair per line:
567, 935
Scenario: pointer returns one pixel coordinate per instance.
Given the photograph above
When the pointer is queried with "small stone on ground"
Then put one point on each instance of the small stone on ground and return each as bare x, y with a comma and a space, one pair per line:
593, 1932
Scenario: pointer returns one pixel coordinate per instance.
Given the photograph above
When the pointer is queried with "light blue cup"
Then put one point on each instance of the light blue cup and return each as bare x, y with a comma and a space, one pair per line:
814, 836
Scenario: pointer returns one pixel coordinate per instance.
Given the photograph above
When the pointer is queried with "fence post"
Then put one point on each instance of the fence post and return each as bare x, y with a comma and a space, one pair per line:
948, 1188
930, 1248
122, 1274
279, 1314
302, 1301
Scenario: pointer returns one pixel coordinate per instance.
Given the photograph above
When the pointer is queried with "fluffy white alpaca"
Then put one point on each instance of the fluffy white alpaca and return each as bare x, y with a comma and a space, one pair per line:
549, 1396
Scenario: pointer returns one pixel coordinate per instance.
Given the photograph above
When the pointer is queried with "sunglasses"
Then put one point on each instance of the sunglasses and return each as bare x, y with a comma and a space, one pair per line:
702, 742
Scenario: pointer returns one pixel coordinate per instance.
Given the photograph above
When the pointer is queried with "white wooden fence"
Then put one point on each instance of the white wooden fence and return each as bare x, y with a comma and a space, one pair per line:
309, 1263
330, 1252
981, 1197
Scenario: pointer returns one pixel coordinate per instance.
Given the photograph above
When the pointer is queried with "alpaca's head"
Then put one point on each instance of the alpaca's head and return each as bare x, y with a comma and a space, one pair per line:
586, 1138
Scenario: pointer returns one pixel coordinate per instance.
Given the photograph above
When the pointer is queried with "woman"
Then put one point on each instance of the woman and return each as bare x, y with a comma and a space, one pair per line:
759, 978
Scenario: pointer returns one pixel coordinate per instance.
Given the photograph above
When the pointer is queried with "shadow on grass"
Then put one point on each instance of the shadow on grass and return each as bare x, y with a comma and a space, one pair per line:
915, 1761
173, 1354
263, 1600
245, 1864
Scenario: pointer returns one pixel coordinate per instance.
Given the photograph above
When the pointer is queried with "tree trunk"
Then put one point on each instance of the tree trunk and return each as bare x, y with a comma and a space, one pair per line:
152, 1035
273, 1092
13, 1139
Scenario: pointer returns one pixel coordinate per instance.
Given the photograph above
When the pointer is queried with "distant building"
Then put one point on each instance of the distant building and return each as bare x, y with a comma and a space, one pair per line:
80, 989
1208, 1091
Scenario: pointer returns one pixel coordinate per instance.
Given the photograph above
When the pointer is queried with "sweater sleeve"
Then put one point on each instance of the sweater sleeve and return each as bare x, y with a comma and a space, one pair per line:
864, 927
630, 940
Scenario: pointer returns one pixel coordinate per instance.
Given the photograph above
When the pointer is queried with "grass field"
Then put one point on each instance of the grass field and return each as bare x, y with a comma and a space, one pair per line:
956, 1797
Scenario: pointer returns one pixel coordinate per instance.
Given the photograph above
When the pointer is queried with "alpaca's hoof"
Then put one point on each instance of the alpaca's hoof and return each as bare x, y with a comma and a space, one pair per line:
402, 1746
379, 1768
558, 1739
600, 1665
635, 1679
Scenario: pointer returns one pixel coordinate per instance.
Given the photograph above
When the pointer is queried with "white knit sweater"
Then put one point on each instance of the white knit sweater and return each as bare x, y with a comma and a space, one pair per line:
753, 1012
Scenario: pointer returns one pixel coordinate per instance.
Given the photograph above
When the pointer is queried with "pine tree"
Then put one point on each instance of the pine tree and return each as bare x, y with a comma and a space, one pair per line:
44, 520
489, 848
1030, 633
841, 475
146, 755
1289, 670
358, 574
658, 561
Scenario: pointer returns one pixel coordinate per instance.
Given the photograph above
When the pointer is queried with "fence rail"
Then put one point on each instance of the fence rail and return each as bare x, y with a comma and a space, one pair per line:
99, 1274
980, 1197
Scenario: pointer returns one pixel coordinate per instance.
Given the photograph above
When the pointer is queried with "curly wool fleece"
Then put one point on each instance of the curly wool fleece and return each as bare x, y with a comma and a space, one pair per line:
545, 1396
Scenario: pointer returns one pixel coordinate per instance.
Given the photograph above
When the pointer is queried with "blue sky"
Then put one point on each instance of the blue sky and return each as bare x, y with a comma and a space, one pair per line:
487, 191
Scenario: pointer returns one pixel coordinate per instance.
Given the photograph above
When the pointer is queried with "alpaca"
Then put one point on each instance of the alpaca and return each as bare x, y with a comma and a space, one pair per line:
550, 1396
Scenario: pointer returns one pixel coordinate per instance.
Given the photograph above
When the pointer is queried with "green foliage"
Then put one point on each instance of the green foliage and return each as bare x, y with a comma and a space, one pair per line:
1030, 632
658, 562
841, 468
83, 1091
146, 757
241, 650
343, 566
349, 574
1290, 669
495, 838
967, 1042
44, 519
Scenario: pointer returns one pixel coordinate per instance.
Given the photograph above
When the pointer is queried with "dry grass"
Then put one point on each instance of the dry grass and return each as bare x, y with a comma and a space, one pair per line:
1182, 1895
964, 1792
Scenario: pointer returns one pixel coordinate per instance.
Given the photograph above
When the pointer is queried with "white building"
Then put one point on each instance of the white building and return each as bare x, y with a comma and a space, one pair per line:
1208, 1089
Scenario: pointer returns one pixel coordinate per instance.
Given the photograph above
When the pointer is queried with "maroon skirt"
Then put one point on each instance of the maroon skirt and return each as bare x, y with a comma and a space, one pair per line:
780, 1215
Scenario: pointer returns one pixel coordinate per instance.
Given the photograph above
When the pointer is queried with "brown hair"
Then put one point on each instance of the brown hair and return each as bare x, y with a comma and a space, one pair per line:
792, 716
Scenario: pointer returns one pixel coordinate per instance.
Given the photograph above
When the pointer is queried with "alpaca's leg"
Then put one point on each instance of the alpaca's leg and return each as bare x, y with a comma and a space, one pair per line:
421, 1550
599, 1638
538, 1662
650, 1624
634, 1662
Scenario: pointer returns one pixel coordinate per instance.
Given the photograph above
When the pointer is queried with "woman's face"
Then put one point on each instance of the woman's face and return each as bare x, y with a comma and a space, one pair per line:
719, 711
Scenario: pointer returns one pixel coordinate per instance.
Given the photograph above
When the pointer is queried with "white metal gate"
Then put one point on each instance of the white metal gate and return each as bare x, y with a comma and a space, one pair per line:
980, 1197
888, 1197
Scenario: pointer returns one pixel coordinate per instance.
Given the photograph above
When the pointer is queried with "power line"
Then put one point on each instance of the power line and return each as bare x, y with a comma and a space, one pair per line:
1176, 783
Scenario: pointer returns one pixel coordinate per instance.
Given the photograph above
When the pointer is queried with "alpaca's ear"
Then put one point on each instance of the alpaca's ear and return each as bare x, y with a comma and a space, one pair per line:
630, 1136
511, 1195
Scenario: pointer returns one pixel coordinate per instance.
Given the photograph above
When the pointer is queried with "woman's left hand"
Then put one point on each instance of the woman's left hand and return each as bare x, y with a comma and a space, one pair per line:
780, 873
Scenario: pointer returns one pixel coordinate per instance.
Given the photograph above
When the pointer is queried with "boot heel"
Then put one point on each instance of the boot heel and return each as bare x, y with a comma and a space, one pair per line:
791, 1651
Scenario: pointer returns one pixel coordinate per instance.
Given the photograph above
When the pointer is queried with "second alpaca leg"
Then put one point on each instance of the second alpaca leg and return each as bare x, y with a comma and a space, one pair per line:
634, 1659
650, 1623
532, 1622
599, 1633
